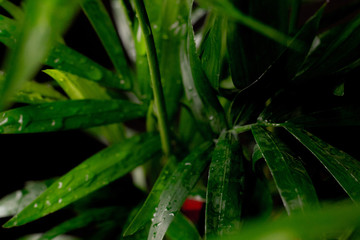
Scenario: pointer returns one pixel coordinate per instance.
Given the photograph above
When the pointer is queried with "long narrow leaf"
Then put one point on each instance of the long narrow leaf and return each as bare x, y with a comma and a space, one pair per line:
94, 173
101, 21
202, 99
225, 188
35, 93
343, 167
292, 181
43, 23
79, 88
65, 115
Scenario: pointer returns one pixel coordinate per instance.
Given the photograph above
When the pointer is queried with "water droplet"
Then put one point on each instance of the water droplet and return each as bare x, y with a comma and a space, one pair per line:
53, 123
152, 219
69, 189
171, 214
174, 25
56, 60
187, 164
35, 205
48, 202
94, 73
211, 118
122, 82
60, 200
87, 177
4, 121
60, 185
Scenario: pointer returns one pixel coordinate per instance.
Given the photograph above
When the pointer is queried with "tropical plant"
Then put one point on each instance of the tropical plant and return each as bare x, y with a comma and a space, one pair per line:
234, 96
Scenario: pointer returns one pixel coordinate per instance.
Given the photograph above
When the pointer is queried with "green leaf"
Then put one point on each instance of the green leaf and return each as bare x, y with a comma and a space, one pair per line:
292, 181
8, 29
102, 23
15, 202
169, 192
213, 47
79, 88
146, 211
84, 219
256, 156
94, 173
225, 188
32, 92
343, 167
317, 224
12, 9
203, 102
248, 103
177, 189
70, 114
181, 228
43, 22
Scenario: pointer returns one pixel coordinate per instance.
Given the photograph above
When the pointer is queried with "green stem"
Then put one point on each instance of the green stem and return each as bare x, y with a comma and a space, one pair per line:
295, 8
155, 76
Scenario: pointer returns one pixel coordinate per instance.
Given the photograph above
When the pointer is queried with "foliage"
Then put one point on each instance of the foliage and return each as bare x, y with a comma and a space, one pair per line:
233, 95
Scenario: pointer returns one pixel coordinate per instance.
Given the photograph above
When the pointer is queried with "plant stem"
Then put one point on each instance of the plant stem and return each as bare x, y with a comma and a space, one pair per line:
154, 75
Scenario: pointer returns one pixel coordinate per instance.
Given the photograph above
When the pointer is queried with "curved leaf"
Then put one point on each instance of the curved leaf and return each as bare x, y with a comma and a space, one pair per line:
225, 188
291, 179
94, 173
102, 23
181, 228
343, 167
65, 115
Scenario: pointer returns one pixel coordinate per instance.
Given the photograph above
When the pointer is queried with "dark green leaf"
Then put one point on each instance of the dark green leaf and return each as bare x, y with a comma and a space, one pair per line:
226, 8
343, 167
35, 93
169, 193
70, 114
94, 173
313, 225
45, 22
256, 156
12, 9
348, 115
181, 228
93, 215
213, 47
225, 188
202, 99
291, 179
102, 23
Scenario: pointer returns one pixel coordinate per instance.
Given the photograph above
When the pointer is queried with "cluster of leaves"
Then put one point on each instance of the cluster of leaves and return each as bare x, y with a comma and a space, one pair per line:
245, 73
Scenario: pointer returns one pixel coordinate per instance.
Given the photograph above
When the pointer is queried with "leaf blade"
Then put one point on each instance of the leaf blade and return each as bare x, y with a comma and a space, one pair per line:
293, 182
94, 173
343, 167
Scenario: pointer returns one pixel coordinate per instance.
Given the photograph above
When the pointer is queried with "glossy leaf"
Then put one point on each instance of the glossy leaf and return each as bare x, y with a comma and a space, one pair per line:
65, 115
256, 156
313, 225
32, 92
102, 23
202, 99
45, 22
292, 181
182, 228
343, 167
90, 216
94, 173
169, 193
225, 188
182, 181
145, 213
78, 88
